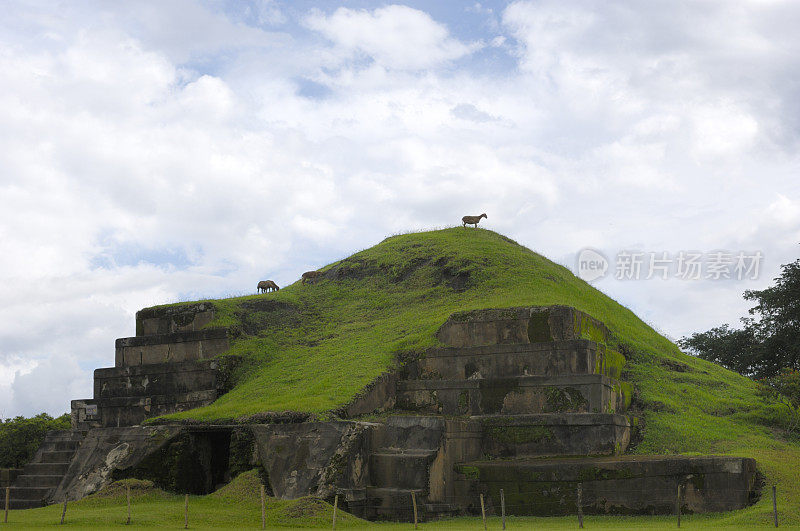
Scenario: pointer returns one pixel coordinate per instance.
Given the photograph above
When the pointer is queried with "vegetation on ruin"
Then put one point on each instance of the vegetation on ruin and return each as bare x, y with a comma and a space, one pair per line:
20, 437
238, 506
312, 347
769, 340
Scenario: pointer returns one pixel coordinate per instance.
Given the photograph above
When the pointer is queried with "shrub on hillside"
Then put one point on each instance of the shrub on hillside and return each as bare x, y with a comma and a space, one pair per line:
767, 342
784, 389
20, 437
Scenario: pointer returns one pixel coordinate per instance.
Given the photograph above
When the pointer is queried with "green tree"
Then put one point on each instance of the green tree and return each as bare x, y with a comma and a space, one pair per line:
20, 437
784, 388
769, 340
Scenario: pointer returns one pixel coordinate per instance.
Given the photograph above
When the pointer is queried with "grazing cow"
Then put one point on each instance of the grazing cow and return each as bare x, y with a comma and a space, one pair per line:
310, 276
267, 285
473, 220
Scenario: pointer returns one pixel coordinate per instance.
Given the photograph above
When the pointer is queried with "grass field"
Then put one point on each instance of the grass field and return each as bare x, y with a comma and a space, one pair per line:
312, 348
237, 506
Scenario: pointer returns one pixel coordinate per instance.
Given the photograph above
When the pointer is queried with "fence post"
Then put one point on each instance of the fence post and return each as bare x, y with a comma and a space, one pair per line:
774, 505
335, 505
263, 513
503, 507
580, 505
678, 504
128, 497
414, 502
483, 513
186, 512
64, 511
8, 497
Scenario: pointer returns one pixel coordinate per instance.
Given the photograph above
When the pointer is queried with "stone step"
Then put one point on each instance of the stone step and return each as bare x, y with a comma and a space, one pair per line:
555, 434
35, 469
440, 510
555, 358
406, 470
64, 435
385, 503
131, 411
412, 431
59, 446
39, 480
627, 484
29, 493
17, 504
586, 393
62, 456
172, 347
155, 379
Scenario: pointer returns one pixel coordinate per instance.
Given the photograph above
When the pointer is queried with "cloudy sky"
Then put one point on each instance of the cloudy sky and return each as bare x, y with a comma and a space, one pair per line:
160, 151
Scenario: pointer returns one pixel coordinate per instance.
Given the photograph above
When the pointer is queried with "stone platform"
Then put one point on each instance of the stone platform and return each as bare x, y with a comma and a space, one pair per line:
529, 400
613, 485
168, 367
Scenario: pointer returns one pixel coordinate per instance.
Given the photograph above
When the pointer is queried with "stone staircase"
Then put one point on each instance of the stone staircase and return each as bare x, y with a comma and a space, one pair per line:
46, 470
402, 465
511, 386
168, 366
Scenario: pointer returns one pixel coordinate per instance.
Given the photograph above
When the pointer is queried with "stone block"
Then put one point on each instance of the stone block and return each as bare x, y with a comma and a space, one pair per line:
557, 358
315, 458
520, 325
614, 485
8, 475
554, 434
171, 348
588, 393
178, 318
155, 379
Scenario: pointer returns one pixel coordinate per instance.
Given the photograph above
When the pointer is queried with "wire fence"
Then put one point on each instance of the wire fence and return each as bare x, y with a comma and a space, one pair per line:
407, 506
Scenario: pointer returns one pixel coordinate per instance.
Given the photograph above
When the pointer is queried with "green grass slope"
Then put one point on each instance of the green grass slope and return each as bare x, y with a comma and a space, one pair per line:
313, 347
235, 506
238, 506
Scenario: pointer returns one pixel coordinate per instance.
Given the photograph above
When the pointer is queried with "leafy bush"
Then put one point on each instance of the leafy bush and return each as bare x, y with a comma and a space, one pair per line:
767, 342
20, 437
785, 390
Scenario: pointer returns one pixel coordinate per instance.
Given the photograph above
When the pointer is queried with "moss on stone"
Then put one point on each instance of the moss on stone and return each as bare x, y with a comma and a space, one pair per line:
539, 327
520, 434
567, 399
463, 401
612, 363
588, 328
470, 472
493, 397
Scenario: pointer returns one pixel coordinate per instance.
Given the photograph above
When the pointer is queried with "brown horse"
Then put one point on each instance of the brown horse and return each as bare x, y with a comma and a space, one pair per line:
267, 285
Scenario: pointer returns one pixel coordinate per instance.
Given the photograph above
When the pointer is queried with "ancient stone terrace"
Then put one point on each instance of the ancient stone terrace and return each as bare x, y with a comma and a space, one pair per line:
531, 401
169, 366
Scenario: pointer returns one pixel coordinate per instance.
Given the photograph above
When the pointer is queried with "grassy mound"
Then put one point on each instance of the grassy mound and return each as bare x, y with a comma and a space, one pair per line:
235, 506
313, 347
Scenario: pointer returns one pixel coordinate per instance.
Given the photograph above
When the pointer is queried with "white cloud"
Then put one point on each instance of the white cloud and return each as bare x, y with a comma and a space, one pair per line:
394, 36
145, 162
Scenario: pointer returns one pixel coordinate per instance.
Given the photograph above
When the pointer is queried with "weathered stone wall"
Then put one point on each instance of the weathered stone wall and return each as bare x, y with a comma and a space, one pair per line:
169, 319
505, 437
315, 458
8, 475
126, 396
613, 485
556, 358
520, 325
171, 348
106, 450
592, 393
